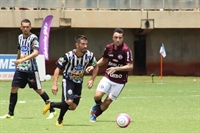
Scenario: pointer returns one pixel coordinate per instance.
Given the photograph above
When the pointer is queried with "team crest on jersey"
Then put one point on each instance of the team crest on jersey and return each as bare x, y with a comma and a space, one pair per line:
24, 48
79, 67
120, 56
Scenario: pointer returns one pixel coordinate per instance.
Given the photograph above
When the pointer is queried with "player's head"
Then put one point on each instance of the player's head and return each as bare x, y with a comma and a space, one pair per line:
25, 26
81, 43
118, 36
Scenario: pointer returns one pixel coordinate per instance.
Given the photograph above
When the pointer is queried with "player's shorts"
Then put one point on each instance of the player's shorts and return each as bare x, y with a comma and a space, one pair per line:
21, 79
71, 91
110, 88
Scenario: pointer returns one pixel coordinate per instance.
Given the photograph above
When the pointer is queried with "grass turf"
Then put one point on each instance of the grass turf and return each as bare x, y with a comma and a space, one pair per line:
168, 106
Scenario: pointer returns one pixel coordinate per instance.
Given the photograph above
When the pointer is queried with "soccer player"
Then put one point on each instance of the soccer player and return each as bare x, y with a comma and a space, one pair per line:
75, 64
26, 69
118, 57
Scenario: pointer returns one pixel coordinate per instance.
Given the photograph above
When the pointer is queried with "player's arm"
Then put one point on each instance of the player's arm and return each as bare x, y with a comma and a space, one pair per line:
55, 80
99, 63
129, 62
32, 55
94, 73
102, 61
18, 54
61, 63
34, 47
127, 67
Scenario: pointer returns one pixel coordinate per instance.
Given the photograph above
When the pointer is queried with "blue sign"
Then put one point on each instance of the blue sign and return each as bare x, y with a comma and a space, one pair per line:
7, 62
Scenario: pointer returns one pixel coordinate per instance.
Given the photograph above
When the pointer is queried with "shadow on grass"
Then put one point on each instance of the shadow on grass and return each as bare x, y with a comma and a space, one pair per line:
79, 125
24, 118
99, 121
105, 121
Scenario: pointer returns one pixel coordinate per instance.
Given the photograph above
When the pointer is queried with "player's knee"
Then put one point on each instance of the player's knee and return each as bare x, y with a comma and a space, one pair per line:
97, 97
14, 89
69, 102
72, 107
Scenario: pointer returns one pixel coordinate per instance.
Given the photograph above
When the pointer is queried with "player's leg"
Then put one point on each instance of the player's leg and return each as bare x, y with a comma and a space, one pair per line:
12, 104
34, 82
102, 88
98, 101
113, 93
68, 96
19, 81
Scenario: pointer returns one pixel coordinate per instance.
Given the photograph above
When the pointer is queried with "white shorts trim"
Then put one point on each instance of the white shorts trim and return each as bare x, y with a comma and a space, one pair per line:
110, 88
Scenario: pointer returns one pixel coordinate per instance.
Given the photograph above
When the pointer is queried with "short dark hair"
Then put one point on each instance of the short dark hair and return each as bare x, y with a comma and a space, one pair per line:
80, 37
26, 21
119, 30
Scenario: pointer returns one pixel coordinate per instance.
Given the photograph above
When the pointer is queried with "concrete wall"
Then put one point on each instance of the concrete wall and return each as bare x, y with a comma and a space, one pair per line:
182, 47
178, 30
102, 18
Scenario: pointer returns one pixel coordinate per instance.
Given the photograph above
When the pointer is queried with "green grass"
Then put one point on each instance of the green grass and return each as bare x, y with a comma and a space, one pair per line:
170, 106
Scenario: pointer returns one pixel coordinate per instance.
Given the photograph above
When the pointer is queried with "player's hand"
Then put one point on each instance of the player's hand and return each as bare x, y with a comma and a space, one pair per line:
111, 70
54, 89
89, 68
90, 84
18, 61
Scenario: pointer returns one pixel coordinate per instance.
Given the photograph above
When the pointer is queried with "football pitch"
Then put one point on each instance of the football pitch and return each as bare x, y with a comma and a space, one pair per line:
168, 106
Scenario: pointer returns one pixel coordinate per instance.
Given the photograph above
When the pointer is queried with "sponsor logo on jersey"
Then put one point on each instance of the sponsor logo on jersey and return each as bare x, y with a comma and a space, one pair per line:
24, 48
114, 64
110, 55
118, 76
115, 60
35, 43
76, 74
61, 60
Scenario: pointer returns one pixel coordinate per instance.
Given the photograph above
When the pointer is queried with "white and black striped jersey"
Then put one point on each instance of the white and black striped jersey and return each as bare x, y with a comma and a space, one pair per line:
75, 66
26, 47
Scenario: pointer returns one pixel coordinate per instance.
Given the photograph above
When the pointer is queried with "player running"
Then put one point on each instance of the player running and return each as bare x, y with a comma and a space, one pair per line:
74, 64
118, 57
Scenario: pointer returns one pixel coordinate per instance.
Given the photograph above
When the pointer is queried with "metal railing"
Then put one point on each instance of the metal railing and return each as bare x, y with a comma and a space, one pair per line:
102, 4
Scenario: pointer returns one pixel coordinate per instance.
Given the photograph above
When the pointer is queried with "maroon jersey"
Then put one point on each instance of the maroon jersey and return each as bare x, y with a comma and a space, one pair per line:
120, 57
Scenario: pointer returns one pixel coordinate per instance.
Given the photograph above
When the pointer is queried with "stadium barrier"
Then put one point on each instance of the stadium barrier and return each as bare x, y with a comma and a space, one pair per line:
101, 4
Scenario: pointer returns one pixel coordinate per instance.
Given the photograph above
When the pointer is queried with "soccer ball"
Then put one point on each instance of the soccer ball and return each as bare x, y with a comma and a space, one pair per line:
123, 120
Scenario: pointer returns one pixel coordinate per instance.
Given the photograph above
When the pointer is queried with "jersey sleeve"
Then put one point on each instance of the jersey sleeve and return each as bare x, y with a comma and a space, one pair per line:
18, 46
35, 44
62, 61
92, 60
105, 53
19, 39
129, 57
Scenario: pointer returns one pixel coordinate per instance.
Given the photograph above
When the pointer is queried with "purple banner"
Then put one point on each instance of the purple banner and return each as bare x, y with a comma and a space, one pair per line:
44, 37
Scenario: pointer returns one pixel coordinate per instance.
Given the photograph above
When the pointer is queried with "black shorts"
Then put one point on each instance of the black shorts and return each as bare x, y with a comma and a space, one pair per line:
71, 91
20, 80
